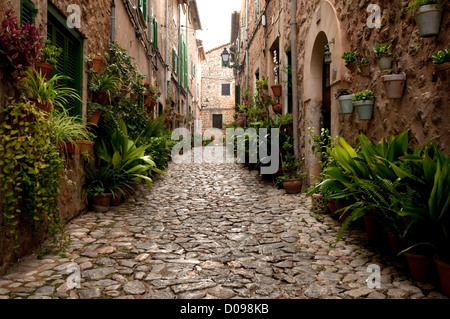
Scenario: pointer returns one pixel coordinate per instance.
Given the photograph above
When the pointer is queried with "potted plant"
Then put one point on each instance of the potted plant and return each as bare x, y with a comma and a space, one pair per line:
276, 87
49, 59
364, 102
441, 60
428, 16
394, 84
292, 178
345, 101
151, 94
102, 85
100, 186
382, 52
20, 47
350, 60
48, 94
277, 109
65, 130
95, 62
94, 113
364, 66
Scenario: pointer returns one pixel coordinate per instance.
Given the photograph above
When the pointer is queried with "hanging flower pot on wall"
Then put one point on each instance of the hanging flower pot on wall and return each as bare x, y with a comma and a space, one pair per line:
45, 69
428, 20
394, 85
346, 103
364, 102
385, 62
277, 109
276, 89
97, 63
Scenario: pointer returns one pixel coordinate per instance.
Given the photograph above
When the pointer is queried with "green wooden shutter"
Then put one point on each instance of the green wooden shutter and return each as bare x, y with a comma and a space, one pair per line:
180, 61
27, 11
256, 9
155, 34
185, 67
70, 62
174, 61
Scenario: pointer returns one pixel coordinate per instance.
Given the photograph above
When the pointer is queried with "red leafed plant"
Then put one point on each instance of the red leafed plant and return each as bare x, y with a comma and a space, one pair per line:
20, 47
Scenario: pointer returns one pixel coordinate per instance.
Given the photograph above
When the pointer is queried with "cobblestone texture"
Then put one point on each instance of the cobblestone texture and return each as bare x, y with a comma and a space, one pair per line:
210, 231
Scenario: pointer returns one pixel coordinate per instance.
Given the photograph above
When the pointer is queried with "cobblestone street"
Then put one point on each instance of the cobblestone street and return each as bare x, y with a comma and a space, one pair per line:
211, 231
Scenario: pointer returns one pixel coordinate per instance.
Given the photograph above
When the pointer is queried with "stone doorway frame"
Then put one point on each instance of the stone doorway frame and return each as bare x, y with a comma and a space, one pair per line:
325, 28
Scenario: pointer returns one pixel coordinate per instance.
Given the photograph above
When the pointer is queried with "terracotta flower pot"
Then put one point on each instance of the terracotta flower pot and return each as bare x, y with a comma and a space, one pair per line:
397, 243
353, 67
84, 146
97, 63
365, 69
102, 202
394, 85
293, 186
95, 117
46, 107
101, 97
116, 200
419, 267
70, 148
46, 70
444, 275
276, 89
277, 108
371, 228
428, 20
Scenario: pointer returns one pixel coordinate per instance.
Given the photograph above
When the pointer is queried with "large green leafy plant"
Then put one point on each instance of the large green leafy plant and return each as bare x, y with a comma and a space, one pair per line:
30, 167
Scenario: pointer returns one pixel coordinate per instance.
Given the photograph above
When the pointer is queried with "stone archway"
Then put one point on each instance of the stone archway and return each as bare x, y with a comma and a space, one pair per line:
324, 28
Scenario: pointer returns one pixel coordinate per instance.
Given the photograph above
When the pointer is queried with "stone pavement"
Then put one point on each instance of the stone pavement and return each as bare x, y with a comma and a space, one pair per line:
210, 231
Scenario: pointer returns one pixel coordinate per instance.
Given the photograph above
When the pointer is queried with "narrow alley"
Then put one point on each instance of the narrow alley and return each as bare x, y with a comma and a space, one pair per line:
210, 231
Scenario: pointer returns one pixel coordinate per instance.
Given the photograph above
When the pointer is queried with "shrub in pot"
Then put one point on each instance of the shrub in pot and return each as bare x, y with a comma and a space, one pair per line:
428, 16
49, 59
48, 94
441, 60
364, 66
345, 101
394, 85
102, 85
350, 60
384, 56
364, 102
292, 175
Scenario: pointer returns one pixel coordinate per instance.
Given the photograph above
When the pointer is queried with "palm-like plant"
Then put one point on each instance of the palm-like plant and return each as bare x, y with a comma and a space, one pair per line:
53, 91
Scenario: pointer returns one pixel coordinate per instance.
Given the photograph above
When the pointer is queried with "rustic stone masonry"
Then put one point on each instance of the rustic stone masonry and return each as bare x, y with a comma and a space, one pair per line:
214, 77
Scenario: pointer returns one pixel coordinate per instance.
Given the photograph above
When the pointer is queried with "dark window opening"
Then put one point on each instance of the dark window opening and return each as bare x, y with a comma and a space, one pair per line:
226, 89
217, 121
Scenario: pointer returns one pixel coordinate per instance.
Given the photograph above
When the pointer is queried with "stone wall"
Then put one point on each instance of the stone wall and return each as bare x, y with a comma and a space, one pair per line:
425, 105
213, 76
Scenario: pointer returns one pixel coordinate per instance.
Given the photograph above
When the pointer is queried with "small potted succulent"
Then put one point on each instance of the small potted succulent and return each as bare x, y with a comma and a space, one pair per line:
428, 16
382, 52
441, 60
364, 102
364, 66
350, 60
49, 59
394, 84
345, 101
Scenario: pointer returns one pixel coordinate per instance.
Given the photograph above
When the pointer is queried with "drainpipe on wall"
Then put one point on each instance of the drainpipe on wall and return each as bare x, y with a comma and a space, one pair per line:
246, 44
179, 57
150, 33
167, 52
112, 30
294, 76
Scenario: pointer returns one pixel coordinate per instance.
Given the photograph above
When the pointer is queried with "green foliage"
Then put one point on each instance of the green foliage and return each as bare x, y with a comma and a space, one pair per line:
34, 86
349, 57
30, 168
363, 96
64, 128
416, 4
103, 81
50, 53
382, 49
441, 57
364, 61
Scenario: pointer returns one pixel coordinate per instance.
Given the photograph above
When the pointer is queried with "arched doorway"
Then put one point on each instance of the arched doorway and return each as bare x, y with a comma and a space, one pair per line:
320, 110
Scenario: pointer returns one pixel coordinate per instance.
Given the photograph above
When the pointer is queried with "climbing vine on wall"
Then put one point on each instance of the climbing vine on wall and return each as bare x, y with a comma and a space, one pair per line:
30, 167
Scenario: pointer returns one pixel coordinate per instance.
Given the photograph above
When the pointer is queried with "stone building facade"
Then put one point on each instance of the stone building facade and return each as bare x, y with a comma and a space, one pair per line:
346, 25
159, 35
218, 91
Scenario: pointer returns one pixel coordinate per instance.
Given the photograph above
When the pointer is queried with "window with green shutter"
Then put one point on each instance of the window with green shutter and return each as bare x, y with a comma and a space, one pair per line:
174, 61
256, 10
142, 5
70, 62
185, 66
27, 11
155, 34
